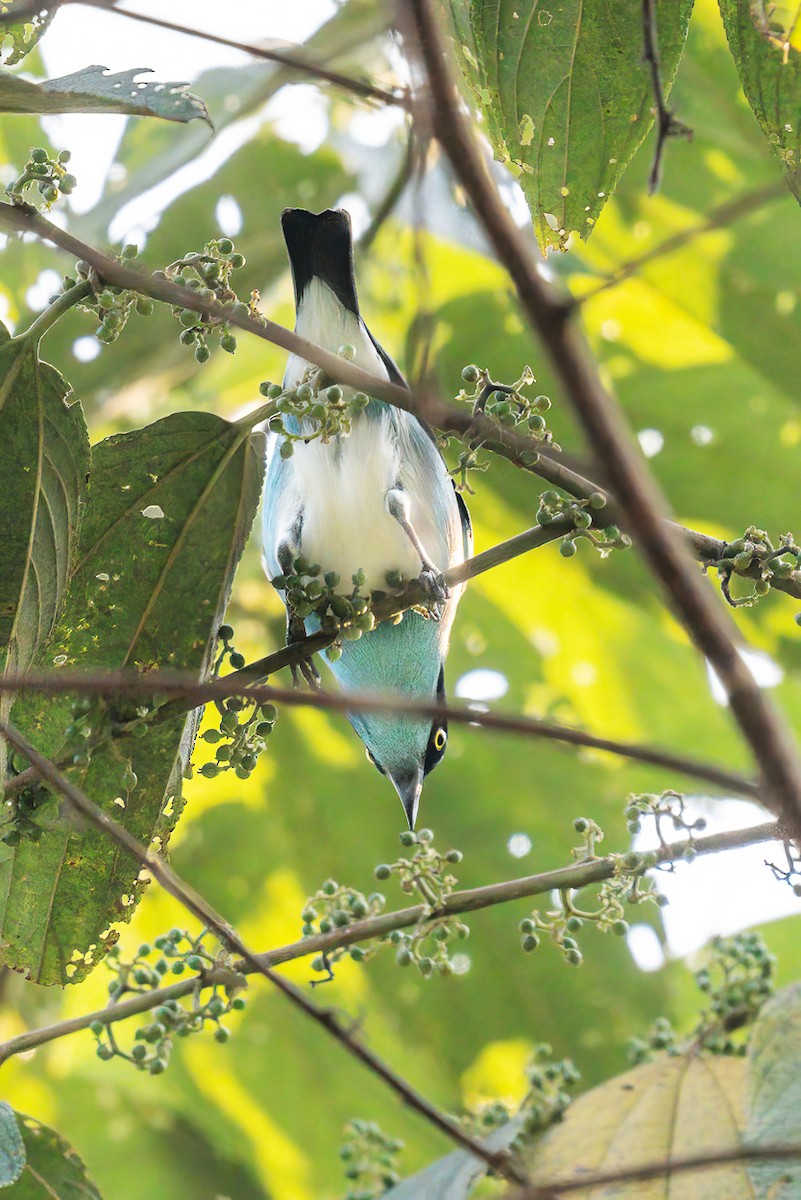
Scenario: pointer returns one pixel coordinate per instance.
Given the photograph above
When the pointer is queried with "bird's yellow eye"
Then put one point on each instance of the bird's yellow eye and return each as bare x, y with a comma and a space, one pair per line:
440, 738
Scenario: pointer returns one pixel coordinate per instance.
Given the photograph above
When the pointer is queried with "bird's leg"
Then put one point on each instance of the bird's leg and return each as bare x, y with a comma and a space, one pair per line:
433, 580
288, 551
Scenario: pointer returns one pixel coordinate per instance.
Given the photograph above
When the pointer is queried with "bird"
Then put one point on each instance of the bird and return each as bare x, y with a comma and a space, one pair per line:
376, 500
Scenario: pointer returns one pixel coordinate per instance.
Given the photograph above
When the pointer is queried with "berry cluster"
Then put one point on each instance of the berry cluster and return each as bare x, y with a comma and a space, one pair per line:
426, 872
666, 808
347, 616
370, 1158
555, 508
335, 906
241, 732
563, 922
48, 173
208, 274
176, 1017
736, 980
112, 306
314, 409
755, 556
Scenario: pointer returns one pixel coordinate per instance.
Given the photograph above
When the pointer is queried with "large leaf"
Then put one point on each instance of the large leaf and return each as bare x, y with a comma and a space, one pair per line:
566, 95
774, 1091
668, 1109
19, 37
44, 461
12, 1149
765, 45
94, 90
168, 512
53, 1171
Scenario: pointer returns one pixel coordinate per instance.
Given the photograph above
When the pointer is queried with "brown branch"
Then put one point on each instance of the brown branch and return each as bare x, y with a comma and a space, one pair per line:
286, 58
666, 124
477, 428
573, 877
656, 1170
188, 694
636, 492
328, 1019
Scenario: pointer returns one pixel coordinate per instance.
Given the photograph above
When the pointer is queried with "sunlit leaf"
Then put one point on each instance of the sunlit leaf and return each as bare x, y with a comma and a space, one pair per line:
94, 89
668, 1109
566, 95
168, 511
764, 43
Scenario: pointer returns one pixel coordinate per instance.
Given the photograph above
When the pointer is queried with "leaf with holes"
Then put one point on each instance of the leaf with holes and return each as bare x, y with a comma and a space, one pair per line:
766, 46
44, 462
19, 36
566, 95
94, 90
169, 508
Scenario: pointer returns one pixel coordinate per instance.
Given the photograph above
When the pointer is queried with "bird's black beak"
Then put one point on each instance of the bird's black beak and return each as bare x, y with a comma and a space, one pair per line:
409, 787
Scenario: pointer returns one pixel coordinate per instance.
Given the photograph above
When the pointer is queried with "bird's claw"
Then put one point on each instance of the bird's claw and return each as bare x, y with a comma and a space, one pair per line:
436, 590
303, 667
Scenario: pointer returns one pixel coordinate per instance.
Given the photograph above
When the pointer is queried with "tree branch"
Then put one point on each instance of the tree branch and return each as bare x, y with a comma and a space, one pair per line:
188, 694
478, 429
574, 877
328, 1019
638, 495
666, 123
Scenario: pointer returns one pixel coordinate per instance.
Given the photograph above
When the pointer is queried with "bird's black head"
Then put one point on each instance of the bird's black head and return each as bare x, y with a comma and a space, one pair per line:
320, 246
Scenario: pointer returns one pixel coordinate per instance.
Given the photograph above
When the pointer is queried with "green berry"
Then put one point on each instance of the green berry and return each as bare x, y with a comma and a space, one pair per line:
287, 449
567, 548
225, 246
237, 260
237, 660
188, 317
383, 871
470, 373
228, 343
144, 306
67, 184
202, 353
39, 155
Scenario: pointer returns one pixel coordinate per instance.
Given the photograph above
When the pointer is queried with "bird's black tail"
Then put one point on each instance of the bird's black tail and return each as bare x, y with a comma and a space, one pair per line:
320, 247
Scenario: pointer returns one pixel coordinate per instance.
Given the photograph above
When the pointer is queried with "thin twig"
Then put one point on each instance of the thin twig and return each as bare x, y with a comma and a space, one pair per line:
286, 58
476, 427
636, 492
666, 123
574, 877
725, 214
189, 694
202, 910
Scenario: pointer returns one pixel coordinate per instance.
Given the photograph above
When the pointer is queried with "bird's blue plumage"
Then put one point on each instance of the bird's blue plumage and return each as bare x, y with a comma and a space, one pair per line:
378, 500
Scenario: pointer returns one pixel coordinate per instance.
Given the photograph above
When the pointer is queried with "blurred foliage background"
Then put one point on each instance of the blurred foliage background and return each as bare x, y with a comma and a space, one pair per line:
701, 345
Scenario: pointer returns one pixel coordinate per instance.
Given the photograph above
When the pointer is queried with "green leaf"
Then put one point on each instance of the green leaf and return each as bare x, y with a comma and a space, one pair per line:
92, 89
18, 38
566, 96
774, 1091
767, 52
168, 511
12, 1149
53, 1170
452, 1177
44, 461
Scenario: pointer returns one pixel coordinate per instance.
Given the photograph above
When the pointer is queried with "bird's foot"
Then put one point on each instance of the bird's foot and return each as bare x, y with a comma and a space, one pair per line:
435, 589
303, 667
